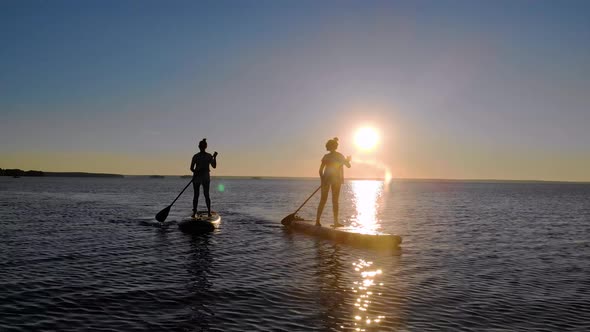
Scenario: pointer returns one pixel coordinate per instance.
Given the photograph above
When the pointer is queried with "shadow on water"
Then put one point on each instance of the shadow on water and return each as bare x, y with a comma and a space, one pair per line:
155, 224
199, 262
331, 289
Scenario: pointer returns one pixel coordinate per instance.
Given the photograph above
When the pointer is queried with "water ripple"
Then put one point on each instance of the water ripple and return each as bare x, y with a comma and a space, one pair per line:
85, 254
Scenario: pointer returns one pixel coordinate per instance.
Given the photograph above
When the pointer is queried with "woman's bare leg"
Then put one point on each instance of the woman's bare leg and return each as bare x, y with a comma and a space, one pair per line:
335, 200
196, 185
323, 199
206, 194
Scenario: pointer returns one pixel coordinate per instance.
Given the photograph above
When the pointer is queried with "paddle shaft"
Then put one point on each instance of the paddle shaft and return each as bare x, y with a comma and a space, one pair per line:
188, 184
310, 196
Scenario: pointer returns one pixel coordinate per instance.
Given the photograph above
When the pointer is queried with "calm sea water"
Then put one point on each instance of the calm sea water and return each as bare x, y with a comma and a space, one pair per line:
84, 254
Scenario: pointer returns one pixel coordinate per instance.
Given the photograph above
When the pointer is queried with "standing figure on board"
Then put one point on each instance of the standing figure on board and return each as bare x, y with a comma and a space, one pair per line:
200, 168
332, 177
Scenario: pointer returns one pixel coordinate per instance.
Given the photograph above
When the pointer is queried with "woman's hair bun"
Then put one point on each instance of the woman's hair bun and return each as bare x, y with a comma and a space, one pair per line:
332, 144
204, 140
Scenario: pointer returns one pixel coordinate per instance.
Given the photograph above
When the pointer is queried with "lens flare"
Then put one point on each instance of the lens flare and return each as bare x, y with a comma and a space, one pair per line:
387, 174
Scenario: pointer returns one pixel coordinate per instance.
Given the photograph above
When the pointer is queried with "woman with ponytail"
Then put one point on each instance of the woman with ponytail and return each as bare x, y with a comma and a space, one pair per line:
332, 177
200, 168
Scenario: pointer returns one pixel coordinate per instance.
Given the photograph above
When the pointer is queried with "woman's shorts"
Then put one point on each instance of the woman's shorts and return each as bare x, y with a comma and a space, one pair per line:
203, 179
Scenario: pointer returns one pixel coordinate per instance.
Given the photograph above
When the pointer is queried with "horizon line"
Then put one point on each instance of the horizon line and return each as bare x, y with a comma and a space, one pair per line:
315, 177
351, 178
378, 178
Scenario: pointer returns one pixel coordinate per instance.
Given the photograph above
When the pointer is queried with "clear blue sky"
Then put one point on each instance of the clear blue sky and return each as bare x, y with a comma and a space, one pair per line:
458, 89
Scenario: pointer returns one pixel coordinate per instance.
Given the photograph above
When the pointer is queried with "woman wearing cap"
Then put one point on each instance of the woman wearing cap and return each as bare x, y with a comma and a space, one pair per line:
200, 168
332, 177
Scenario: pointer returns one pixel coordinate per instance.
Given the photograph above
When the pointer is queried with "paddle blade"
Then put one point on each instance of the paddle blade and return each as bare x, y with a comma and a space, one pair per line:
288, 219
162, 215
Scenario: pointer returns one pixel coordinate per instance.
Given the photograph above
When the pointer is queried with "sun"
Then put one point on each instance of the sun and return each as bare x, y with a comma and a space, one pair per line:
366, 138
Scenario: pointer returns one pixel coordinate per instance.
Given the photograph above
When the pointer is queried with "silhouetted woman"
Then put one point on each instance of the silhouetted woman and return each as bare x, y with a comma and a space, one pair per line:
332, 176
200, 168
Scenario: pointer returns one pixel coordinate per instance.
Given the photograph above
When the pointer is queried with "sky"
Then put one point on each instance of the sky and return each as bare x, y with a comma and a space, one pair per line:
456, 89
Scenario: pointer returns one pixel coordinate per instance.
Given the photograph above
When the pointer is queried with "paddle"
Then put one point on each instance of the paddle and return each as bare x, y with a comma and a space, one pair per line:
162, 215
290, 218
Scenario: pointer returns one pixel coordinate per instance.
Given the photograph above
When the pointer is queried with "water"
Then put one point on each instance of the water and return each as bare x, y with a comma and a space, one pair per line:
84, 254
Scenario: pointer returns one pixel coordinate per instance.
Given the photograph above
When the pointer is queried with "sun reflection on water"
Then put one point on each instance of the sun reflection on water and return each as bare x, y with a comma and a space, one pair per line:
366, 196
363, 320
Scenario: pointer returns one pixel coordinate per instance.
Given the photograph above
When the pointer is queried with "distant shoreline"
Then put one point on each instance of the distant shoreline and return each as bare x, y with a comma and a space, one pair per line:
16, 173
32, 173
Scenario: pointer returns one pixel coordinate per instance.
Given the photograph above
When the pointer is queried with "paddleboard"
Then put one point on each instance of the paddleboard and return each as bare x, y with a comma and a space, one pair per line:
349, 235
201, 223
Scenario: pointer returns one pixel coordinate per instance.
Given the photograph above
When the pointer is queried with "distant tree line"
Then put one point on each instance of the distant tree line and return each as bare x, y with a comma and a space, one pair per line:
19, 172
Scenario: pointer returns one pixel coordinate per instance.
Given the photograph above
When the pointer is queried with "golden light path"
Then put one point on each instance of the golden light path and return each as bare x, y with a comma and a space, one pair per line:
366, 200
365, 290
